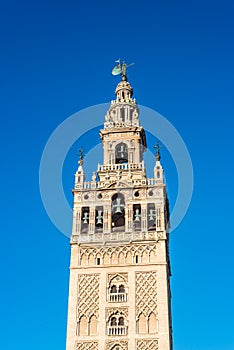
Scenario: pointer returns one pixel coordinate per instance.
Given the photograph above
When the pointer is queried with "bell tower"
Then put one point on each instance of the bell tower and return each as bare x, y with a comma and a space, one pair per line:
119, 293
123, 138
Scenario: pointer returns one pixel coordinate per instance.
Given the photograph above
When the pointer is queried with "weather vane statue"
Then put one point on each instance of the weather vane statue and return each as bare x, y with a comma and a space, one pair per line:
81, 156
157, 147
121, 68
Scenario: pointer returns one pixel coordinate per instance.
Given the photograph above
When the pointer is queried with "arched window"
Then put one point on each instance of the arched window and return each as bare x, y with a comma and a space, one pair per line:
99, 219
121, 321
121, 289
113, 321
121, 153
151, 213
152, 323
121, 258
84, 219
116, 347
118, 212
83, 326
142, 324
137, 216
117, 291
117, 324
113, 289
93, 326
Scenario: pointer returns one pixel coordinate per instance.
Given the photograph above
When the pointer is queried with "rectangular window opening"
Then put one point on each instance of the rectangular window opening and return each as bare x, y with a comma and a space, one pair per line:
99, 219
137, 216
84, 219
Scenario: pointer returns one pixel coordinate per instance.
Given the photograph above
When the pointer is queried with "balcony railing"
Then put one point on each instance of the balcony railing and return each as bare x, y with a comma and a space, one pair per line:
123, 166
118, 297
117, 330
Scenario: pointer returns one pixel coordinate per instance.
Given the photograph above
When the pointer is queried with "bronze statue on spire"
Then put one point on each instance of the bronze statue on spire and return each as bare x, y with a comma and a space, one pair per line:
81, 156
121, 68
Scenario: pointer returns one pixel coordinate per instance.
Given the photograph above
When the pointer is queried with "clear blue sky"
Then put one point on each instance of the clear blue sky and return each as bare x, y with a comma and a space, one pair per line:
56, 58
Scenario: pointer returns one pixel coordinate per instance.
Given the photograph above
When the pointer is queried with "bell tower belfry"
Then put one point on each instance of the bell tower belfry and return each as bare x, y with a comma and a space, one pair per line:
119, 293
123, 138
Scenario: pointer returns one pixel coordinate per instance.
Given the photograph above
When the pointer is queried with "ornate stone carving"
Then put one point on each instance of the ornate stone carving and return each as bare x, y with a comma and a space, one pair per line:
88, 295
107, 254
88, 254
77, 197
106, 195
115, 276
88, 195
146, 293
86, 345
114, 310
149, 344
112, 345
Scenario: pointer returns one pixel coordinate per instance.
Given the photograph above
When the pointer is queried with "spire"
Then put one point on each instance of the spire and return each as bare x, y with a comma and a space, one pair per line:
123, 110
79, 175
158, 169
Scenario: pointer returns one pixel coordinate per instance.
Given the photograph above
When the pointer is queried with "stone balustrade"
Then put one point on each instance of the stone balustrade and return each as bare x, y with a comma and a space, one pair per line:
117, 297
123, 166
117, 330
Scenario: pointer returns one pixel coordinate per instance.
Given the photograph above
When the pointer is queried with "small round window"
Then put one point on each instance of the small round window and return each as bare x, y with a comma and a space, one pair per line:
151, 193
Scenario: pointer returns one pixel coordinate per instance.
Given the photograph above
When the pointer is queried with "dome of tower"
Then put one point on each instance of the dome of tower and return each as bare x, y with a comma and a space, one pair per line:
124, 91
